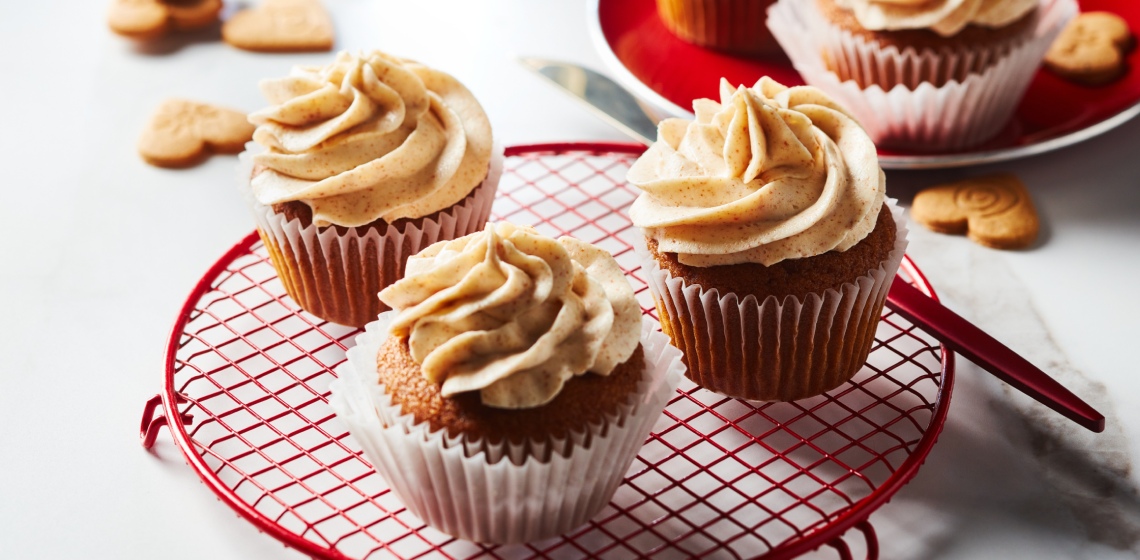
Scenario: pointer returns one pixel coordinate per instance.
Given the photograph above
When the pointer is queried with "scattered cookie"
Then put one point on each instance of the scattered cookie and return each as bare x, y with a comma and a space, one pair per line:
149, 19
1091, 49
993, 210
281, 26
182, 133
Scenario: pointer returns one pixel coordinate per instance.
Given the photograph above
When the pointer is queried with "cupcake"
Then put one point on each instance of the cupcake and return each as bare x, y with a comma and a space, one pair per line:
977, 34
770, 246
356, 166
925, 75
733, 26
507, 392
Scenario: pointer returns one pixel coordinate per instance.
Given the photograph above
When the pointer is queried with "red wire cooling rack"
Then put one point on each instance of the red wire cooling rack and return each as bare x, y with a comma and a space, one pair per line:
246, 386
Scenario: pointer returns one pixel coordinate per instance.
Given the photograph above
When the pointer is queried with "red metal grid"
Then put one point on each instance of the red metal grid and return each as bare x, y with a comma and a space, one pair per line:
247, 382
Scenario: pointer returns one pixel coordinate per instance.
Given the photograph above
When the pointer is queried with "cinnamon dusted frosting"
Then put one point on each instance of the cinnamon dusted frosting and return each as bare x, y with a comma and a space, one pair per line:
514, 314
369, 137
769, 173
945, 17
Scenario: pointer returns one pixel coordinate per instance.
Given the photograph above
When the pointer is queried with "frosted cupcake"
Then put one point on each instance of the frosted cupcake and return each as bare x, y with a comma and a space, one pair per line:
923, 74
356, 166
770, 244
507, 393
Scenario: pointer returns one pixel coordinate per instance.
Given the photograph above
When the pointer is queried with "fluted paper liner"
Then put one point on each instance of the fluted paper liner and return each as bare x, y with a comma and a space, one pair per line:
774, 350
909, 110
335, 272
499, 493
731, 25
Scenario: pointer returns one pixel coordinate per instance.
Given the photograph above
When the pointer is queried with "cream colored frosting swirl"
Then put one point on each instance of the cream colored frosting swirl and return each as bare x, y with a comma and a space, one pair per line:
369, 137
769, 173
514, 314
945, 17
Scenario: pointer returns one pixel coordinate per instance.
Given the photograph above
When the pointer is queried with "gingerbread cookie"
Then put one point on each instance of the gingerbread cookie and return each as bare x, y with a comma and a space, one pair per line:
1091, 49
149, 19
182, 133
993, 210
281, 26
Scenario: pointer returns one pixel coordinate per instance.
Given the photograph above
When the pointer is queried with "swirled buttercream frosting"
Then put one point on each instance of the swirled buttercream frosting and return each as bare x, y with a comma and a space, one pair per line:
945, 17
514, 314
369, 137
769, 173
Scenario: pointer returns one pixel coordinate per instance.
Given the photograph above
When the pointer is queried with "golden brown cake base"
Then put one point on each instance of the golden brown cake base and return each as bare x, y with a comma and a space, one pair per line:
735, 26
585, 399
973, 38
780, 355
794, 277
341, 284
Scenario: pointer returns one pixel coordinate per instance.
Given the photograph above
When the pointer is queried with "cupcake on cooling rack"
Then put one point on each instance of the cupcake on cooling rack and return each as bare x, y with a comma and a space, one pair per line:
356, 166
922, 74
771, 246
734, 26
507, 393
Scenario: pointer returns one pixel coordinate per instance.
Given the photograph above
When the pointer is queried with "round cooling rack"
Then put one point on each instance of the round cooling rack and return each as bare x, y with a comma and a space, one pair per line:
246, 387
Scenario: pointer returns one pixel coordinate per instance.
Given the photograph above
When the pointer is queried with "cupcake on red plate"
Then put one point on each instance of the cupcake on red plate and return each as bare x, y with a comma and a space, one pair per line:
924, 75
770, 243
356, 166
507, 393
734, 26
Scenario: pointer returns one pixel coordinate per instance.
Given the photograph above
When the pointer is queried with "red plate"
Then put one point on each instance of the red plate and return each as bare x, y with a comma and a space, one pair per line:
1055, 113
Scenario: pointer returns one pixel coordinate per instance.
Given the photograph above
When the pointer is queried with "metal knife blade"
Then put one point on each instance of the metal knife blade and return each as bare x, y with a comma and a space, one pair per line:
602, 95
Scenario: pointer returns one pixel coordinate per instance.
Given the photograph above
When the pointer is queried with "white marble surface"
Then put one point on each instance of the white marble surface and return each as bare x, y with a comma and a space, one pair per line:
99, 250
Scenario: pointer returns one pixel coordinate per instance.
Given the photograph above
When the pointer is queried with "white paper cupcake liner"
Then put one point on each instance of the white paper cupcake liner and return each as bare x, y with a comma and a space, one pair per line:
914, 113
772, 349
336, 272
499, 493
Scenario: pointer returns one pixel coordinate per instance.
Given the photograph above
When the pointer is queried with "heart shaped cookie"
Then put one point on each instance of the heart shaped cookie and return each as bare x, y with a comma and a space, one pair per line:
281, 26
182, 133
993, 210
149, 19
1091, 49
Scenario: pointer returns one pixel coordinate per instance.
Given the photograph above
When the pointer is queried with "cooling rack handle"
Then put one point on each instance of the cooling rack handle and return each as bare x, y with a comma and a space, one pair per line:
152, 423
984, 350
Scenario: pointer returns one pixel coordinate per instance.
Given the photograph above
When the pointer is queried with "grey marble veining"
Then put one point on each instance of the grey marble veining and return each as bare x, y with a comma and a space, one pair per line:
998, 439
